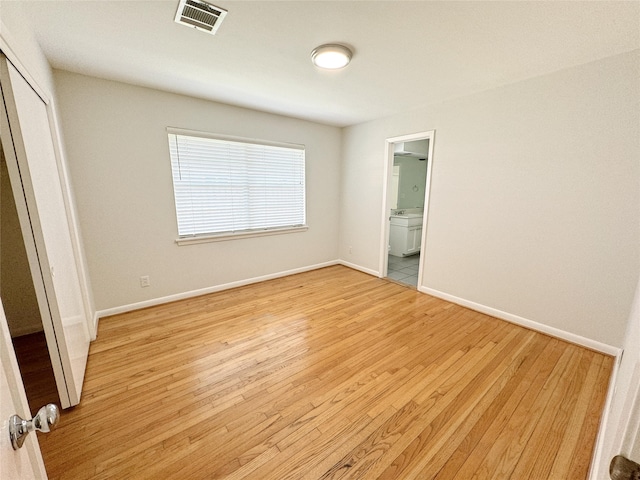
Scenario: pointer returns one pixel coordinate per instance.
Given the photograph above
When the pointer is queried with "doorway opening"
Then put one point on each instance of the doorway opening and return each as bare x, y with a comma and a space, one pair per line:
407, 170
21, 304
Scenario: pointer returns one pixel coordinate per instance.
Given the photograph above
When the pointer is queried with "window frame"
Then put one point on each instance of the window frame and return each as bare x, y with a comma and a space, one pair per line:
249, 233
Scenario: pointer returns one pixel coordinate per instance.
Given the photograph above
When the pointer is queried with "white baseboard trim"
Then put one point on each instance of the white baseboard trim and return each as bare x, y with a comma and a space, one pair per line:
555, 332
96, 319
524, 322
344, 263
203, 291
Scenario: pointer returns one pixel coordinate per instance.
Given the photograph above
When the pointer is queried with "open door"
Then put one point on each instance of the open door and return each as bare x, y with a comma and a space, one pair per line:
30, 154
25, 463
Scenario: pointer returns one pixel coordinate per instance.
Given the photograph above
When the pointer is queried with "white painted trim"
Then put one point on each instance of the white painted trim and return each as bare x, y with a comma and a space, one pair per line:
96, 319
598, 454
386, 206
6, 47
30, 230
204, 291
6, 43
427, 203
232, 138
72, 218
509, 317
387, 173
630, 441
195, 239
524, 322
359, 268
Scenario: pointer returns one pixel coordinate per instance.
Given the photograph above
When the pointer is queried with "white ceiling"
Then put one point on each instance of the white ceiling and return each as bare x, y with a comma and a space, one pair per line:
407, 54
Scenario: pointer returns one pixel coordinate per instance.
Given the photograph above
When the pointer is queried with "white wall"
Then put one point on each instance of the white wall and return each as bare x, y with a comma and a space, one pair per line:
119, 162
534, 197
411, 185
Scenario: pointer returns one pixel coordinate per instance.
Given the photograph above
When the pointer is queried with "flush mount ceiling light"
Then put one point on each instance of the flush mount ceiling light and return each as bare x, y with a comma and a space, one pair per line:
331, 56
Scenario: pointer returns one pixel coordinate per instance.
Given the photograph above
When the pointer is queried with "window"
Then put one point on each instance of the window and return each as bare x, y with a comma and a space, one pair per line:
228, 187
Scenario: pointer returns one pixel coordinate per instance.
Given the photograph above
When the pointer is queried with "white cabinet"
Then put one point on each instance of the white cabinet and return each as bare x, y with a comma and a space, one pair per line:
414, 236
405, 235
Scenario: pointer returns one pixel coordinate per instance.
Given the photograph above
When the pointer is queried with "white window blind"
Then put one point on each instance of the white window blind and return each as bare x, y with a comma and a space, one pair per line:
228, 186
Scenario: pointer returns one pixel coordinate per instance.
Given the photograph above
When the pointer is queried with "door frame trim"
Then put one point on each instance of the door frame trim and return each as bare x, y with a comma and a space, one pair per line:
30, 227
386, 200
6, 42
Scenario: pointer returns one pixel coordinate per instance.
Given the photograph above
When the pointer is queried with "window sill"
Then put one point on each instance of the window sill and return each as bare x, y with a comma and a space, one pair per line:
233, 236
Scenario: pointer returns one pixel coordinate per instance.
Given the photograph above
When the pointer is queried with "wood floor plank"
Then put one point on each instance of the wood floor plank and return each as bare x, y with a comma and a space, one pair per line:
578, 415
536, 463
428, 421
428, 452
328, 374
580, 459
523, 420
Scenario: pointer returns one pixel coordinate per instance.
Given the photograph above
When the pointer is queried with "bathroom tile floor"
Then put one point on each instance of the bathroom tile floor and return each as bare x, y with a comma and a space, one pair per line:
404, 269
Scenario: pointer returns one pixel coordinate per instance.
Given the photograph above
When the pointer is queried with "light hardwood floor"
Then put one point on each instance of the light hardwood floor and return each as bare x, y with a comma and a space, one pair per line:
325, 375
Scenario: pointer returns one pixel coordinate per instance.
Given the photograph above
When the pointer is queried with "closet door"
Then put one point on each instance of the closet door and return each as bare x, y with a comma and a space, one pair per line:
33, 169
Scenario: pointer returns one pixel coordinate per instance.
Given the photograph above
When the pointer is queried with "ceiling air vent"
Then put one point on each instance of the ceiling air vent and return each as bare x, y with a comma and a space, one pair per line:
200, 15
